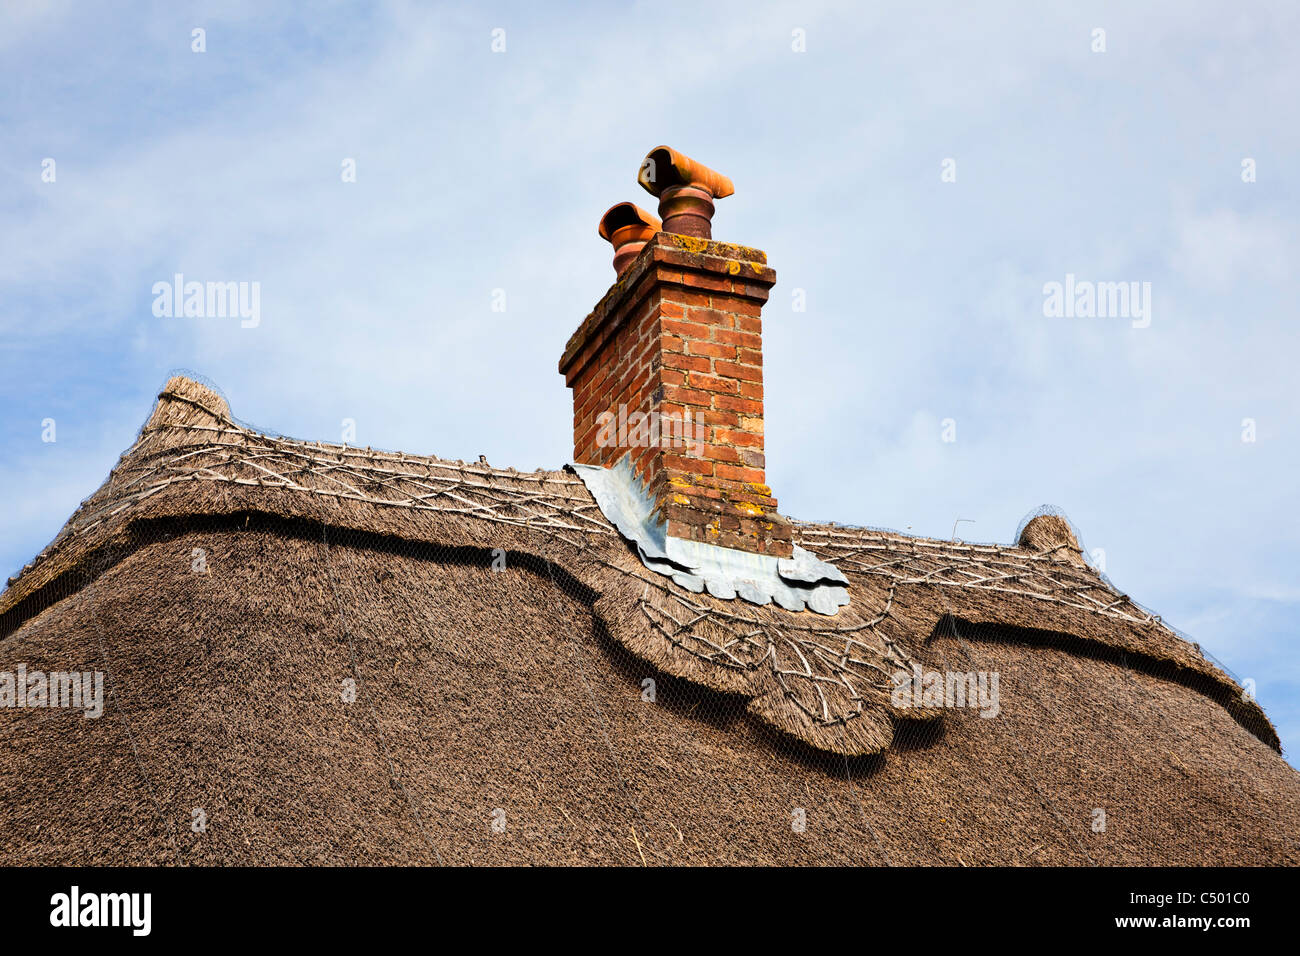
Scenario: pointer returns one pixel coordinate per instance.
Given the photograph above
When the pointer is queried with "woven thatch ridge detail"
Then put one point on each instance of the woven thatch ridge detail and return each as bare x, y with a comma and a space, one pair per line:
232, 454
1050, 575
825, 683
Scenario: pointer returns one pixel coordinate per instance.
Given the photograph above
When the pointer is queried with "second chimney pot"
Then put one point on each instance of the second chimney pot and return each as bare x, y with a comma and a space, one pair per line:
628, 228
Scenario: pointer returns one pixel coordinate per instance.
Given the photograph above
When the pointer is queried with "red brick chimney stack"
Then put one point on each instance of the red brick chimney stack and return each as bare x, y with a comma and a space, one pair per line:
668, 367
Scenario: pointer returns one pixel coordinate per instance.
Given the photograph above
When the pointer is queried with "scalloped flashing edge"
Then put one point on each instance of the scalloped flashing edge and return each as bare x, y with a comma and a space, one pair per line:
799, 582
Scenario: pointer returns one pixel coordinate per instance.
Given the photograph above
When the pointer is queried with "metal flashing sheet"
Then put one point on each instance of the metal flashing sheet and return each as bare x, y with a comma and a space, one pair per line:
795, 583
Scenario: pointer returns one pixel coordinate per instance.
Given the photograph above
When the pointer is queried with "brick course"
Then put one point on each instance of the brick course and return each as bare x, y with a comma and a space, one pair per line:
680, 333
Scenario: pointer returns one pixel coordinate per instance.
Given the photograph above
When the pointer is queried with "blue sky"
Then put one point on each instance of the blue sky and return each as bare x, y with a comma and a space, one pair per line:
479, 171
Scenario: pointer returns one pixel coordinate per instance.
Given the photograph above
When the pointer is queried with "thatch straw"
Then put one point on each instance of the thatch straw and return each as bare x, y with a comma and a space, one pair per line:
1051, 535
817, 675
328, 561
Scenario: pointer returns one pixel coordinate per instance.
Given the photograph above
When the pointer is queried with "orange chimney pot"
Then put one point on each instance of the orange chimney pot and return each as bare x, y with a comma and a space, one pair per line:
627, 227
686, 189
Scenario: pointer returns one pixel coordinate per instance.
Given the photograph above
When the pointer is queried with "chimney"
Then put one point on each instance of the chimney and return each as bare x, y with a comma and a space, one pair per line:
667, 370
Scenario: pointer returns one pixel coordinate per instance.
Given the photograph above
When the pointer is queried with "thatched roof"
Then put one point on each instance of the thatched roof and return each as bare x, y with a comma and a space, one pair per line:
608, 714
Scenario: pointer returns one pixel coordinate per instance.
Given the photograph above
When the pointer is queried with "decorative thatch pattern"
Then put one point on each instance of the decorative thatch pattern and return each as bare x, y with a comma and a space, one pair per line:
826, 685
1052, 575
173, 450
824, 682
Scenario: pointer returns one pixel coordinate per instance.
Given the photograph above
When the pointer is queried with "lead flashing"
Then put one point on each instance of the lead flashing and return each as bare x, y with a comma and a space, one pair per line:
797, 583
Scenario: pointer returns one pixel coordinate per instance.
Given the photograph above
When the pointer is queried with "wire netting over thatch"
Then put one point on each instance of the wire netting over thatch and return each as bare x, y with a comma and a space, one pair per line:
523, 689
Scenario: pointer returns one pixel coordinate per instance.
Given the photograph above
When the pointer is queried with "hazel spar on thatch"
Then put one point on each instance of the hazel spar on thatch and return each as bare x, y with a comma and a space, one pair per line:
1051, 534
527, 689
825, 681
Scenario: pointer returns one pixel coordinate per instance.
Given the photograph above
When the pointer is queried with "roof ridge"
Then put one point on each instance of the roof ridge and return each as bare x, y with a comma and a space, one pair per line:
241, 471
